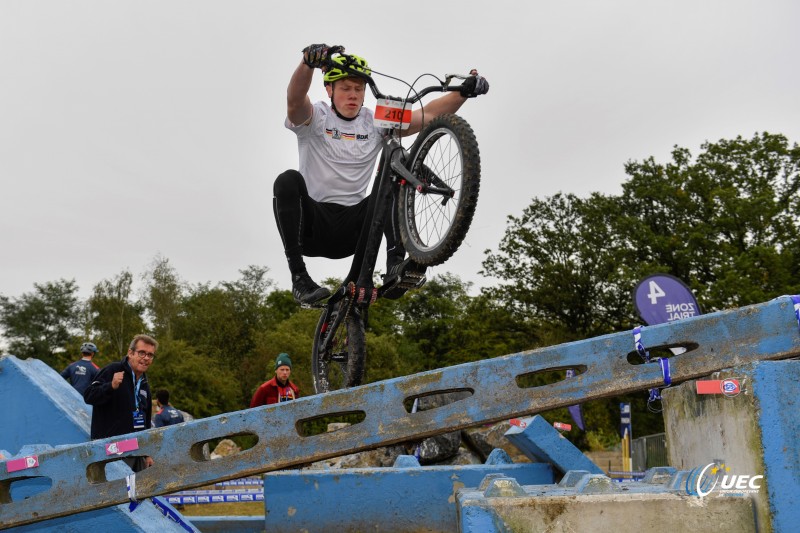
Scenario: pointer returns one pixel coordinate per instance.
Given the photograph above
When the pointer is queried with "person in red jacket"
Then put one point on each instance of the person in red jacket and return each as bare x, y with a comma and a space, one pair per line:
278, 389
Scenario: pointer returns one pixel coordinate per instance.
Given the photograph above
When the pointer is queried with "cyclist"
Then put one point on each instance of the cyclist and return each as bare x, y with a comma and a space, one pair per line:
320, 208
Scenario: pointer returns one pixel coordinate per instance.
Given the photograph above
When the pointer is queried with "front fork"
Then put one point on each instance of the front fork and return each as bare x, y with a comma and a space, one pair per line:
339, 306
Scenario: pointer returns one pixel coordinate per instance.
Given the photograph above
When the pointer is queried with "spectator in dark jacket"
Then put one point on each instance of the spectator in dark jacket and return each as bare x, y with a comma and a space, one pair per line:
120, 396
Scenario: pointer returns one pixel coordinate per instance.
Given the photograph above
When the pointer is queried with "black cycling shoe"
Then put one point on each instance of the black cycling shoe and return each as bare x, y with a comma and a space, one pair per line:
306, 291
401, 277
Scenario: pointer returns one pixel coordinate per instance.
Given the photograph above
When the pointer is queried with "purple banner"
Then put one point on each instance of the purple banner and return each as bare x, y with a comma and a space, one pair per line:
664, 298
577, 416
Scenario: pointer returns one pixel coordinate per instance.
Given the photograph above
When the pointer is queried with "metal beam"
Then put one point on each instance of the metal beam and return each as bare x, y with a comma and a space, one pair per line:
714, 341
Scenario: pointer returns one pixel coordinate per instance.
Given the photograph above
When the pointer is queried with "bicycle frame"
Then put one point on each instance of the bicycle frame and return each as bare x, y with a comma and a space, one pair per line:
391, 168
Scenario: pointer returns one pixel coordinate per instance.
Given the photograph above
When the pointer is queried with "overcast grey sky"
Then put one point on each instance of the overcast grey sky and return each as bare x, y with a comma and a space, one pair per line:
131, 129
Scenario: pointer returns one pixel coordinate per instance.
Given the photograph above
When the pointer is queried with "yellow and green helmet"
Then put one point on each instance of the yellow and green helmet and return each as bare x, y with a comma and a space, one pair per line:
359, 64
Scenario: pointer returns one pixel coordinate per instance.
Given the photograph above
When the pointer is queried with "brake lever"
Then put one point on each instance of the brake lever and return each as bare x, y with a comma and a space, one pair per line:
338, 49
449, 77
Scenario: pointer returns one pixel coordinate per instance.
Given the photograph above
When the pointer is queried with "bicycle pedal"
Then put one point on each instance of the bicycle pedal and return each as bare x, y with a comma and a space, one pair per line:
319, 304
412, 280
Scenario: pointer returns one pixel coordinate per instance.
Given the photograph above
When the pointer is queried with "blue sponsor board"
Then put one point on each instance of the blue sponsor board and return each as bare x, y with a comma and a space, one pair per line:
244, 482
625, 424
210, 496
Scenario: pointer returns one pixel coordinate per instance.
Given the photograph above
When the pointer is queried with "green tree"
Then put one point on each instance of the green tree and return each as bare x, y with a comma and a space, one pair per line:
442, 325
293, 336
427, 318
488, 328
115, 318
198, 385
558, 265
41, 323
163, 295
224, 322
727, 223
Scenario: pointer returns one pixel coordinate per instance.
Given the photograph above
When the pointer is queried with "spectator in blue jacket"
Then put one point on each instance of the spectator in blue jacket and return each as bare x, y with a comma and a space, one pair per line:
83, 371
166, 415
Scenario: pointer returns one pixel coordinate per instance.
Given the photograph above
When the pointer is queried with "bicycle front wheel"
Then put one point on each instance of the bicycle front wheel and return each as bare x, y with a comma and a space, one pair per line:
339, 356
444, 156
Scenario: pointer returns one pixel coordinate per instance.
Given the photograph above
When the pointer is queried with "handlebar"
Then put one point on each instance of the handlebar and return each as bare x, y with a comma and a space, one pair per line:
415, 95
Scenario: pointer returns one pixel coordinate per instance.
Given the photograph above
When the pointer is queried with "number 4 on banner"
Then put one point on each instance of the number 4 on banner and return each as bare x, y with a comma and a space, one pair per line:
655, 292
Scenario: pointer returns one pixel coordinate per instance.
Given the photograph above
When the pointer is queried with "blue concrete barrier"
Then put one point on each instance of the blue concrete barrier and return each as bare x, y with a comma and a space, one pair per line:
776, 385
229, 524
752, 430
540, 441
404, 499
42, 407
37, 405
713, 342
589, 502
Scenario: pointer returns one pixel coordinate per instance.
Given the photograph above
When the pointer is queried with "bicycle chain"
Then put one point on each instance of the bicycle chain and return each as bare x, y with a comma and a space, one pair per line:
351, 296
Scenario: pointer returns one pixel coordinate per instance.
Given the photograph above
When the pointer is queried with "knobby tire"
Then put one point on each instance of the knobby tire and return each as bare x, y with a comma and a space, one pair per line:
341, 362
445, 153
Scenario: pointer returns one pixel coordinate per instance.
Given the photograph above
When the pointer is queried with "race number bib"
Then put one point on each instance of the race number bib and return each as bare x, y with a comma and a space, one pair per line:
392, 114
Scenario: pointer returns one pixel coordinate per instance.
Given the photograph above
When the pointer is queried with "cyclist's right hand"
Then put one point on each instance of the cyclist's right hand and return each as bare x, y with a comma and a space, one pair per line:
315, 55
319, 55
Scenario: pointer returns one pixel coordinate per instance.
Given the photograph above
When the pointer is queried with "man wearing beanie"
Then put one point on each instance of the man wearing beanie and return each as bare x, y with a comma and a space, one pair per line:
279, 388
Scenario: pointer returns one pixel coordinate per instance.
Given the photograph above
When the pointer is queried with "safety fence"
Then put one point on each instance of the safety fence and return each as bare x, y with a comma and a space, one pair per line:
649, 452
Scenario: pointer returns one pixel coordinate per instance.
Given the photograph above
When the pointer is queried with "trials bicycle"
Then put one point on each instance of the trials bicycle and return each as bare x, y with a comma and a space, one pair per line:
433, 186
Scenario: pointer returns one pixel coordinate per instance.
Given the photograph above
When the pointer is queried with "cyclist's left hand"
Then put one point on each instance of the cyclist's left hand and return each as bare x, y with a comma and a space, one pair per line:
474, 86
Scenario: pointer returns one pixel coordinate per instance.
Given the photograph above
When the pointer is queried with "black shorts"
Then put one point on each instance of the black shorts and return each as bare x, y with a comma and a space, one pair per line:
332, 230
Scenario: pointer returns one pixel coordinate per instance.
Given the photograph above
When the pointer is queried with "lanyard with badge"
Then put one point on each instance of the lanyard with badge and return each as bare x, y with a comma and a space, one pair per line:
138, 415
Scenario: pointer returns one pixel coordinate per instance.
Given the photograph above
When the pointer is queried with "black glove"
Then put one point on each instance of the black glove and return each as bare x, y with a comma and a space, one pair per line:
473, 86
314, 55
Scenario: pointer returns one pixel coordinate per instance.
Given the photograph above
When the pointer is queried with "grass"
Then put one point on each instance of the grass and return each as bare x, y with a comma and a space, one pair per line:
222, 509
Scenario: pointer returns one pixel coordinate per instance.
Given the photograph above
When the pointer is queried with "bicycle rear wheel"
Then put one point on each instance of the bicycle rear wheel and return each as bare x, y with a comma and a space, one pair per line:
445, 155
339, 356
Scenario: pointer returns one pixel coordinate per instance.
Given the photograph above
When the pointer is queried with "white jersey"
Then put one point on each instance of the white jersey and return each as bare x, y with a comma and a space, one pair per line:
337, 157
